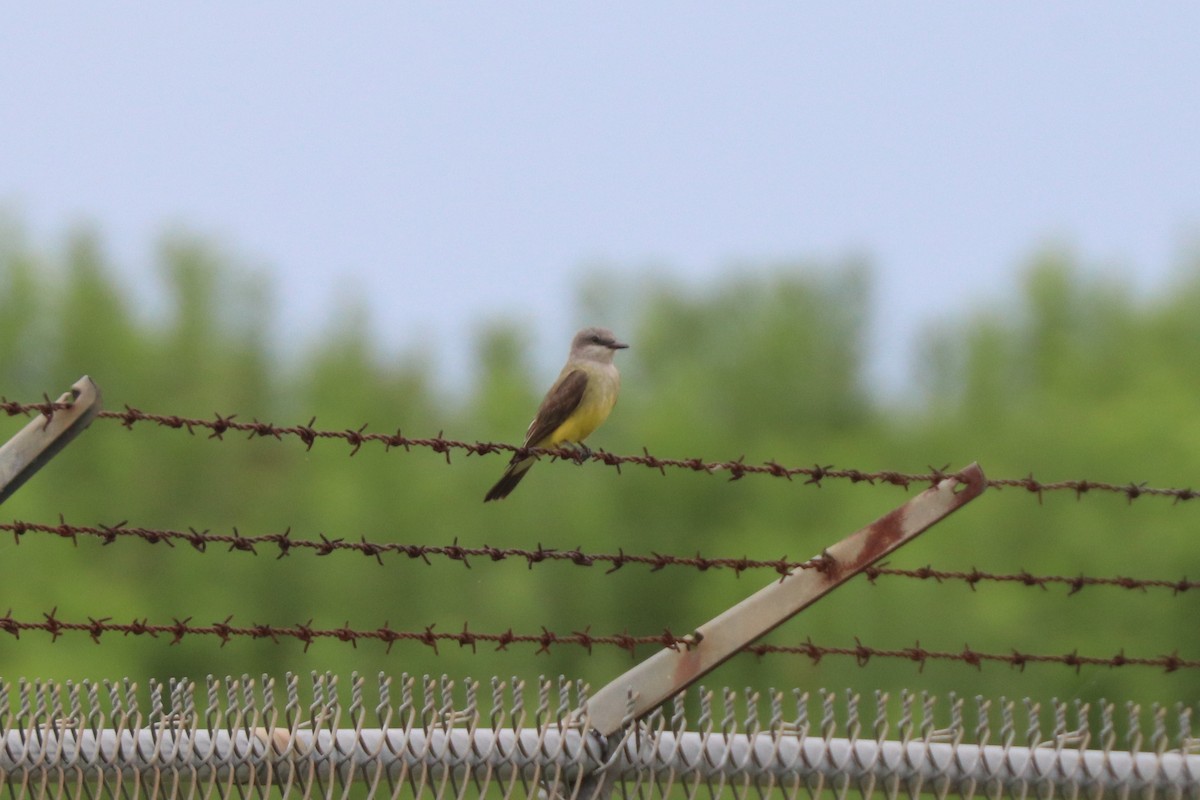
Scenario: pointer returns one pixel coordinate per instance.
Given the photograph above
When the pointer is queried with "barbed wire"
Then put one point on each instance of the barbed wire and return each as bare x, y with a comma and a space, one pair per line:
863, 654
737, 469
1075, 584
284, 545
225, 630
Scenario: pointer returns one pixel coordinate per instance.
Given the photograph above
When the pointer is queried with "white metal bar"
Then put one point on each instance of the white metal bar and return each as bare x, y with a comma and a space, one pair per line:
671, 670
41, 439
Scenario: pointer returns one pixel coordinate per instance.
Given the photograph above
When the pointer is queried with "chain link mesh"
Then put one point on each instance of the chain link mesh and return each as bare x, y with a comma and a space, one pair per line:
437, 738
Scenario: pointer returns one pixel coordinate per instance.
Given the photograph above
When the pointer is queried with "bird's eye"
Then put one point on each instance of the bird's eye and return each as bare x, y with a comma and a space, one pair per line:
596, 340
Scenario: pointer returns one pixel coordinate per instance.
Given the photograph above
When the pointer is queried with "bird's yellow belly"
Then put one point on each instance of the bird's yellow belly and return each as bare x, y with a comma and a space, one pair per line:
580, 425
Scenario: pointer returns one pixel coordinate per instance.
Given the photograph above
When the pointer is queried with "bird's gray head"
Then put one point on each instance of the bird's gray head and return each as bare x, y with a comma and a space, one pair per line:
596, 344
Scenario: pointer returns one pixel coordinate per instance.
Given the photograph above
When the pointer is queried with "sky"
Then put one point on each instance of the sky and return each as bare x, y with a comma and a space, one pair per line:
457, 165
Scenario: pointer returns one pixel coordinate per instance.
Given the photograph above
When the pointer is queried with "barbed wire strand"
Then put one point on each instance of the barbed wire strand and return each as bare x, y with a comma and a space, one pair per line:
305, 633
737, 469
284, 545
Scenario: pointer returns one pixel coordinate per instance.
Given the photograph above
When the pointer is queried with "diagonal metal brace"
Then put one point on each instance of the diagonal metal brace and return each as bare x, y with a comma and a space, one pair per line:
673, 669
40, 440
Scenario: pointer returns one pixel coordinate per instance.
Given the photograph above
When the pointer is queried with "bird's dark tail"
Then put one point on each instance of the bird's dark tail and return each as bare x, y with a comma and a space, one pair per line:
509, 480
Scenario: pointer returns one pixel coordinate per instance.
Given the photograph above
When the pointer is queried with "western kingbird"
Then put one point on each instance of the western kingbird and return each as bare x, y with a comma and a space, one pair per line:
581, 399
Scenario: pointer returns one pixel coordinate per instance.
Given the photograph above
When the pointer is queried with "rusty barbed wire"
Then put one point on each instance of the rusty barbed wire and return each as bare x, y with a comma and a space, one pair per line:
737, 469
284, 545
1074, 584
225, 630
863, 654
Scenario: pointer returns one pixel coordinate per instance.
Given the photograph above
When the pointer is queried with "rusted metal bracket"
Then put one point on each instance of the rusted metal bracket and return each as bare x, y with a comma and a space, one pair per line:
640, 690
40, 440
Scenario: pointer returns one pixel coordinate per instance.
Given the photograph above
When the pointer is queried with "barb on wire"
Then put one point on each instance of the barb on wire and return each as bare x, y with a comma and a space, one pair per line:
815, 475
225, 630
283, 544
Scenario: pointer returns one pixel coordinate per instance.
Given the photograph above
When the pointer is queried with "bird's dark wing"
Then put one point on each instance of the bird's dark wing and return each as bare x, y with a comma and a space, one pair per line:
562, 399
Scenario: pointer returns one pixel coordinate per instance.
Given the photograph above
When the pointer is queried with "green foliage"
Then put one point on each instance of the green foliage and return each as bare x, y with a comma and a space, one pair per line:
1074, 378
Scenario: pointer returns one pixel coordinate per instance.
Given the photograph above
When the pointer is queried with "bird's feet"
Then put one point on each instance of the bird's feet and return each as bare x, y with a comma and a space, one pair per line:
581, 452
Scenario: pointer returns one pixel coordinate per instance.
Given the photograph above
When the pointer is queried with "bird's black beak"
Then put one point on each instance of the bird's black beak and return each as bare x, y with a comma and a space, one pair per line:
614, 345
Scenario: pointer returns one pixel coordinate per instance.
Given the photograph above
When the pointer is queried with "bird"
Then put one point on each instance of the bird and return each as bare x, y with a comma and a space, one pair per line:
578, 402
